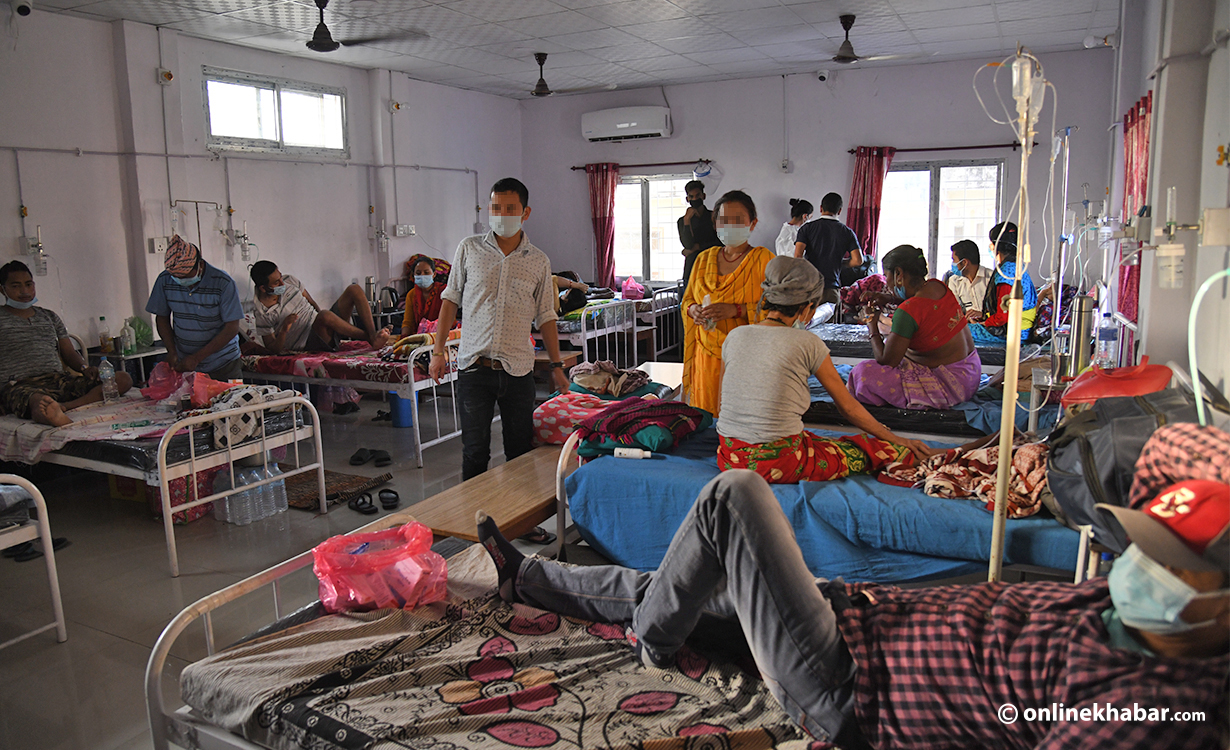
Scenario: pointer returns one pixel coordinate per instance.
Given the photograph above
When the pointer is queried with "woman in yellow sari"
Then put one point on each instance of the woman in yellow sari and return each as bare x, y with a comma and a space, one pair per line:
730, 276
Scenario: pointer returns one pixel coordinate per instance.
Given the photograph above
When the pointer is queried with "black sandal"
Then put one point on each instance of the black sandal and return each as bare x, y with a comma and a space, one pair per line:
538, 535
382, 458
363, 504
360, 457
389, 499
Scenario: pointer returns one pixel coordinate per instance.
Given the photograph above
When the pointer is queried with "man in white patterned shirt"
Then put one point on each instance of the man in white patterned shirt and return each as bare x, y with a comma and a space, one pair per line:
503, 283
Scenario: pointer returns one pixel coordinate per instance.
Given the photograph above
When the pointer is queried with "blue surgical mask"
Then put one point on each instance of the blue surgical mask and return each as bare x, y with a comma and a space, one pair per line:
20, 305
733, 235
900, 292
1149, 597
278, 291
190, 281
956, 269
505, 226
423, 282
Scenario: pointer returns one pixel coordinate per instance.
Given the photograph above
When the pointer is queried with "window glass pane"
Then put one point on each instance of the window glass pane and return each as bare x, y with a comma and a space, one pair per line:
905, 211
629, 257
667, 202
311, 119
241, 111
968, 198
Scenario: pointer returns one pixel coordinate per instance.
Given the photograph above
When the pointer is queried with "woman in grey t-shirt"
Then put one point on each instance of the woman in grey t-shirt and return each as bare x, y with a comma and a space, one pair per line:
765, 368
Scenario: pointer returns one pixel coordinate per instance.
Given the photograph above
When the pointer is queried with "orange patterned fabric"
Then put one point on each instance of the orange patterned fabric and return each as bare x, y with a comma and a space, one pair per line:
702, 349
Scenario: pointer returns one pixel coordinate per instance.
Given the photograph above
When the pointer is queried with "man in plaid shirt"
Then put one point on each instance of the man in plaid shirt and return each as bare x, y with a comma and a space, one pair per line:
1029, 665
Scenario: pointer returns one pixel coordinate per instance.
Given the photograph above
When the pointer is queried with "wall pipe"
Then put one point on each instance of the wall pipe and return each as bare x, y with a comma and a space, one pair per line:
21, 201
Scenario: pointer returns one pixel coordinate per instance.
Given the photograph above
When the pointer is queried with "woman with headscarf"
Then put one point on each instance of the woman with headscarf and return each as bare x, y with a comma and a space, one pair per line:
765, 368
928, 359
721, 295
992, 325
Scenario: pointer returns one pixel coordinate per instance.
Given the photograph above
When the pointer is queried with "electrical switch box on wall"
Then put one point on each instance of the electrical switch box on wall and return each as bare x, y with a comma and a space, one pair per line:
404, 230
158, 245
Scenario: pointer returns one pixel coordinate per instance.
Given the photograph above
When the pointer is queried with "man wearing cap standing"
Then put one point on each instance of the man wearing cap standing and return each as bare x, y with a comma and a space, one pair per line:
1136, 661
197, 312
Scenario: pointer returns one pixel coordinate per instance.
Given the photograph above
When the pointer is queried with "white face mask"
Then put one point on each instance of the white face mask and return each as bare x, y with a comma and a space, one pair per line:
505, 226
18, 305
733, 235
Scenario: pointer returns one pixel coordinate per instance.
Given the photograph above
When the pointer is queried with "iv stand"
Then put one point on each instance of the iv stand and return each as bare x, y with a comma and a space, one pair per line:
1059, 260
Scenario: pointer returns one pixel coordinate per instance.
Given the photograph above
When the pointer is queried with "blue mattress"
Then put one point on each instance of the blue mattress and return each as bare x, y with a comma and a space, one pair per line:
857, 528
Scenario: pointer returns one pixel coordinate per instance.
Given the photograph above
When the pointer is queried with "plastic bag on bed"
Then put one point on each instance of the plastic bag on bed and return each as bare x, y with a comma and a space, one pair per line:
380, 569
163, 381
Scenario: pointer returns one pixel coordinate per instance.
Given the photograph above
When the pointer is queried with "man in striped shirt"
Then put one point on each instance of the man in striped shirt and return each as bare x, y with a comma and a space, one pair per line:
197, 312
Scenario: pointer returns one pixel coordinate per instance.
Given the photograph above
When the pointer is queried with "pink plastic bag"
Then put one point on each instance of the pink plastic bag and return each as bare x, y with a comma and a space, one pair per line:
380, 569
163, 381
631, 289
204, 388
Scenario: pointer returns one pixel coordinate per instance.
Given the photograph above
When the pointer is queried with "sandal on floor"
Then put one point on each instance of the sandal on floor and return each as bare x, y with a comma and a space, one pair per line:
17, 549
363, 504
389, 499
382, 458
360, 457
538, 536
383, 416
345, 407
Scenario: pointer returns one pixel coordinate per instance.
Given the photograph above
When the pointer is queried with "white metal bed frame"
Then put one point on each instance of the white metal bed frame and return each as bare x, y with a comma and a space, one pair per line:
664, 320
162, 476
40, 529
618, 321
181, 726
407, 389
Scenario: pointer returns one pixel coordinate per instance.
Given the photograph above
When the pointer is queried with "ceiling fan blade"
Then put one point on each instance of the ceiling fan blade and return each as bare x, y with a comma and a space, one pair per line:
587, 89
400, 36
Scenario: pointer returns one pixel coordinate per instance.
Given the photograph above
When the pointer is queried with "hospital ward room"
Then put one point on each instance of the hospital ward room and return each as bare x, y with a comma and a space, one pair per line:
614, 374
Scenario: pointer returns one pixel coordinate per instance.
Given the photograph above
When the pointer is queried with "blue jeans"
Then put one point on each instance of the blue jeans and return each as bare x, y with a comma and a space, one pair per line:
735, 556
479, 390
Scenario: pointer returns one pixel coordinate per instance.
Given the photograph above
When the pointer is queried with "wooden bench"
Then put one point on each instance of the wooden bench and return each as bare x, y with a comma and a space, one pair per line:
519, 495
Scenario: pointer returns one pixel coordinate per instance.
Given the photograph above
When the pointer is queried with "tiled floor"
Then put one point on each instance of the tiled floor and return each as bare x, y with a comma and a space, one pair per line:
88, 693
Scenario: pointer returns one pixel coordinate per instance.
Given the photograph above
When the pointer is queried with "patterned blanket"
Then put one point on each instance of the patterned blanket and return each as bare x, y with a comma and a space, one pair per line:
25, 441
475, 673
354, 360
957, 473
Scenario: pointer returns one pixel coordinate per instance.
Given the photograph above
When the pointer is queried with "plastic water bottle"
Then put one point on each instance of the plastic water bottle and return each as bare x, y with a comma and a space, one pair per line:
106, 373
279, 489
241, 510
709, 323
128, 340
105, 344
1108, 343
222, 483
267, 504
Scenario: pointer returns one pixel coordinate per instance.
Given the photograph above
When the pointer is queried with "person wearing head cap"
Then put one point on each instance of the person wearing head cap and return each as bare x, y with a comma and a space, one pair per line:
928, 359
989, 665
991, 325
764, 393
197, 311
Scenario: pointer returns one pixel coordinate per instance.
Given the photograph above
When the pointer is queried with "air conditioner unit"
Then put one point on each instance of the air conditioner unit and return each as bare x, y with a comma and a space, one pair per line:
626, 123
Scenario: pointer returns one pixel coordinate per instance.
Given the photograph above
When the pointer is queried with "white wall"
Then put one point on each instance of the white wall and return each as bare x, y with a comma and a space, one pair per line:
1214, 330
72, 83
739, 125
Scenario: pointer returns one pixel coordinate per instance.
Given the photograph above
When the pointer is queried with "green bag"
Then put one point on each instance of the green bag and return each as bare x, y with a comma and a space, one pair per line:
145, 334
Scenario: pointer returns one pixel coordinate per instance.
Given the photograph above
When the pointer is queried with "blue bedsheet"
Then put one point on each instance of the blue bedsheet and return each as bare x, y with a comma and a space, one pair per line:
857, 528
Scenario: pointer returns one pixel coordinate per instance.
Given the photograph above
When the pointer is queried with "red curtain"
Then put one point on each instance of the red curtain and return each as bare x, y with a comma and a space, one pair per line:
603, 178
1137, 124
871, 164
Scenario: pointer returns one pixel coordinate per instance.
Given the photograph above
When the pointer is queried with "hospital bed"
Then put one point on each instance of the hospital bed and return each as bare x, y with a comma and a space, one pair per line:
848, 344
605, 327
467, 673
36, 528
364, 371
660, 314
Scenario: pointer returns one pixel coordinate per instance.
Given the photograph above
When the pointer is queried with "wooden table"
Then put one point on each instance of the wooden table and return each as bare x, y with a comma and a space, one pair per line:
542, 360
519, 495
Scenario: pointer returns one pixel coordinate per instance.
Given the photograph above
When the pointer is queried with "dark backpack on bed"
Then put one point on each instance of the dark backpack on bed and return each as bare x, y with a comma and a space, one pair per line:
1093, 455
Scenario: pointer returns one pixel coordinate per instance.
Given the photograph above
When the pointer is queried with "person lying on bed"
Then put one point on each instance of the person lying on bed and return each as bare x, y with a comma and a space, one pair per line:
987, 665
990, 325
928, 360
765, 368
34, 347
288, 319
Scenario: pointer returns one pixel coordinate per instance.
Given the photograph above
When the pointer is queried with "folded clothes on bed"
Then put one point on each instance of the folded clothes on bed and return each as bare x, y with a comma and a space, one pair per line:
651, 424
604, 377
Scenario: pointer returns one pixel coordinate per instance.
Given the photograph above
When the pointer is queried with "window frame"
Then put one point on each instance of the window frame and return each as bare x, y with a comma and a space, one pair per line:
646, 234
264, 145
933, 210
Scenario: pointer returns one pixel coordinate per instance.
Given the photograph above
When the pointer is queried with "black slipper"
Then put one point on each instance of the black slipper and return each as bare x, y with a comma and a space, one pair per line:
363, 504
382, 458
382, 416
17, 549
360, 457
389, 499
345, 407
538, 536
28, 555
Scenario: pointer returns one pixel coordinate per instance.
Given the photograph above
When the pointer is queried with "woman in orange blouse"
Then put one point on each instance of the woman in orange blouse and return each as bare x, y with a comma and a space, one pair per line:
423, 299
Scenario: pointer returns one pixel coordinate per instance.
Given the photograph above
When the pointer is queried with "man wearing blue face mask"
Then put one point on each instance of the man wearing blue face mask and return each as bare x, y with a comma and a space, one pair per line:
503, 283
288, 319
969, 279
197, 312
34, 347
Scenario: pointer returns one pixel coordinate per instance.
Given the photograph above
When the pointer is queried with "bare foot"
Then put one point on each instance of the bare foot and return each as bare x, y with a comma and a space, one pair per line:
48, 411
381, 339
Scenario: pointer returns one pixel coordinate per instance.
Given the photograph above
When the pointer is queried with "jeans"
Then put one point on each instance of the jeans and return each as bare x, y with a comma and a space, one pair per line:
480, 389
735, 556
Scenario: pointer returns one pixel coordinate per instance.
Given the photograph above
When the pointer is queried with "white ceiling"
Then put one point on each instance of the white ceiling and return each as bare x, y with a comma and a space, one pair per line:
488, 45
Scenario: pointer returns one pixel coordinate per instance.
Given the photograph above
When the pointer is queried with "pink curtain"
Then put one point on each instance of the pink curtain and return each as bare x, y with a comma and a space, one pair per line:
603, 177
871, 164
1137, 124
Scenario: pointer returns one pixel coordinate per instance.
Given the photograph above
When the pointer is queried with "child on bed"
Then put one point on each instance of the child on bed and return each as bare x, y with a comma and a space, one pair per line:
976, 666
765, 368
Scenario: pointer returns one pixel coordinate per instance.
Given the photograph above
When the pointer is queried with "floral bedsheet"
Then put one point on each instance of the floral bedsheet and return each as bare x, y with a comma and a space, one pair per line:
354, 360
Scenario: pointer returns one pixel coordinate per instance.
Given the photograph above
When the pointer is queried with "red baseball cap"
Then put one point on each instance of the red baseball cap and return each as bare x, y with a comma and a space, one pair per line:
1186, 526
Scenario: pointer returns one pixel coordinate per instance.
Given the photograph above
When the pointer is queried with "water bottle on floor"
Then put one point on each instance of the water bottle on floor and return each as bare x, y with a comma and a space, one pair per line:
267, 501
222, 483
1108, 343
106, 373
241, 502
279, 489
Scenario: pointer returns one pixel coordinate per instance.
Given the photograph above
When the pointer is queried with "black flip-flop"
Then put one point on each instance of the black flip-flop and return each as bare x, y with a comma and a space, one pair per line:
382, 416
382, 458
363, 504
539, 535
389, 499
345, 407
17, 549
25, 551
361, 456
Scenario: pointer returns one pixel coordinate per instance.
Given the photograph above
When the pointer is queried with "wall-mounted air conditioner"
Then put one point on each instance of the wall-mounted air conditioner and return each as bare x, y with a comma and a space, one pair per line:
626, 123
